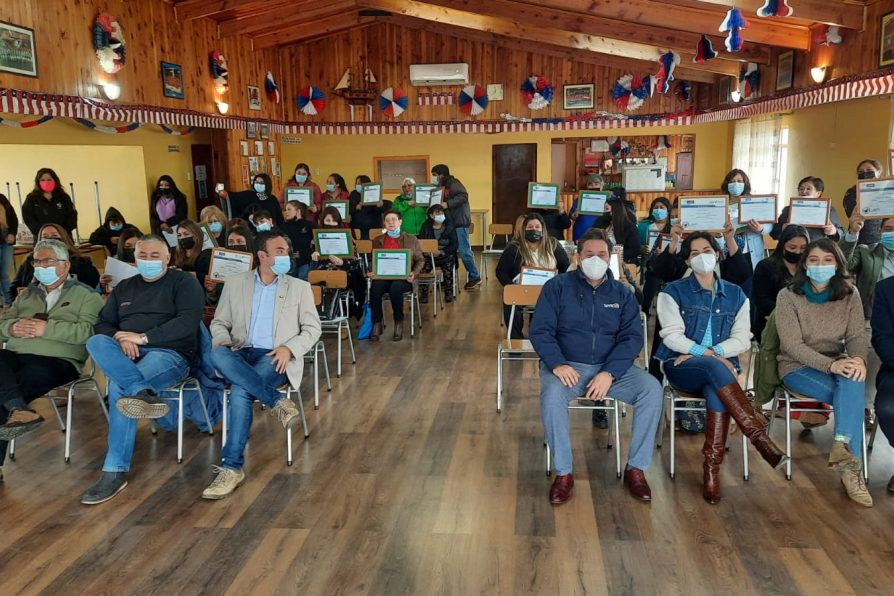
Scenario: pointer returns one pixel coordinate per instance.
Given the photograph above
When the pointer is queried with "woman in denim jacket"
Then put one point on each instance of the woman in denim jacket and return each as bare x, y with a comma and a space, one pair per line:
705, 325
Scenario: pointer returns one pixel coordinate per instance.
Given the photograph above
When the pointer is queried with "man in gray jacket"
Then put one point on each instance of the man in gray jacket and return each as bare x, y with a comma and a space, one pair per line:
456, 202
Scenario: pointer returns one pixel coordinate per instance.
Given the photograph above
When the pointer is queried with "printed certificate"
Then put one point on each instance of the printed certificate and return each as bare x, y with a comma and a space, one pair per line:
810, 213
703, 214
875, 198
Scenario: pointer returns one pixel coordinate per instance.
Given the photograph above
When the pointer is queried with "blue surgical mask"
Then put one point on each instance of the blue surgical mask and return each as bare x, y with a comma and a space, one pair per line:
281, 264
260, 187
675, 221
46, 275
393, 233
116, 227
659, 214
887, 240
300, 178
820, 274
358, 187
440, 218
436, 180
264, 226
150, 269
216, 227
330, 187
736, 188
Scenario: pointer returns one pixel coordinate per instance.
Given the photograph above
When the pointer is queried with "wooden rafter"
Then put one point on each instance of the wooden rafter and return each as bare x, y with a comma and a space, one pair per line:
843, 13
196, 9
311, 30
280, 20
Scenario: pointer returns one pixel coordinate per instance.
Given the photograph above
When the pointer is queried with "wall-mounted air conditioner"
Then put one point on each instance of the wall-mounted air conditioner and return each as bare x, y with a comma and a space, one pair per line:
424, 75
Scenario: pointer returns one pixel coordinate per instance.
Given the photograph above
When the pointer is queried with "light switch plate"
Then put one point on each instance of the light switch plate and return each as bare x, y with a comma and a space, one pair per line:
495, 92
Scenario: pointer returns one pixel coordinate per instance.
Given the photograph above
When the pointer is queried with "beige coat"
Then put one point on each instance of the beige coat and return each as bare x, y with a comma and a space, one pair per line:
296, 324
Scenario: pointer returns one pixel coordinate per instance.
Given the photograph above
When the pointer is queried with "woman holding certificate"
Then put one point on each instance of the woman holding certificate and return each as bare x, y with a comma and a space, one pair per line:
366, 218
620, 226
331, 220
583, 222
243, 204
658, 222
535, 248
400, 276
412, 216
868, 169
301, 179
736, 184
811, 187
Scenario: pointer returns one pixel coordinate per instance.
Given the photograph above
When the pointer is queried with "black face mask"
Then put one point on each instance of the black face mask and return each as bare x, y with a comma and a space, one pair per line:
865, 175
164, 192
128, 255
237, 247
533, 236
791, 257
187, 243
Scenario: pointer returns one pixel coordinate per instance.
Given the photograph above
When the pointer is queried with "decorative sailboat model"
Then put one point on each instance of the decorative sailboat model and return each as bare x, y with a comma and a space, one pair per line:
357, 96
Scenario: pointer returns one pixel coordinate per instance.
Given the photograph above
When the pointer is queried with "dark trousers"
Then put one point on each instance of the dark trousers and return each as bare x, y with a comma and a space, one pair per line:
445, 262
517, 321
396, 290
651, 287
24, 378
884, 405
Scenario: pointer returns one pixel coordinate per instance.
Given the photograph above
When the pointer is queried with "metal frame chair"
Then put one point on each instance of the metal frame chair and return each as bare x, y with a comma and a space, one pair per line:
364, 248
521, 349
180, 388
429, 248
489, 252
337, 280
313, 355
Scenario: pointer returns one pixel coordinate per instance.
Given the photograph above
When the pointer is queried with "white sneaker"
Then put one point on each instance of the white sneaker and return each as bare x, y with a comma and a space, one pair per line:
286, 412
224, 483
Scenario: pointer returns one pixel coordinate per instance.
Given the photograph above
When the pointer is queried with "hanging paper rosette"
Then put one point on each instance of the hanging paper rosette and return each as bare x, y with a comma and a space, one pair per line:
108, 41
631, 91
749, 79
618, 147
775, 8
683, 90
393, 101
219, 72
733, 24
271, 88
472, 100
668, 61
537, 92
311, 101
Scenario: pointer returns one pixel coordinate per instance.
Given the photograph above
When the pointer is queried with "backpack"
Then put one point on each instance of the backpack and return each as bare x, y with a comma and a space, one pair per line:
366, 327
766, 365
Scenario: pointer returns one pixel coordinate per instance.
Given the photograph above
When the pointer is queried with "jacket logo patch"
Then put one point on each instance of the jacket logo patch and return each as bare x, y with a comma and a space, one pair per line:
615, 305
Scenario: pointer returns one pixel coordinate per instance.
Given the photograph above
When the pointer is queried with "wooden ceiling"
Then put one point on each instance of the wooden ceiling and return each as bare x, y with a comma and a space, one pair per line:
612, 32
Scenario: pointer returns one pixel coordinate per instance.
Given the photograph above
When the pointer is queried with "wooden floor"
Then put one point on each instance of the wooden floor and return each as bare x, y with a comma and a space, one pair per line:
411, 483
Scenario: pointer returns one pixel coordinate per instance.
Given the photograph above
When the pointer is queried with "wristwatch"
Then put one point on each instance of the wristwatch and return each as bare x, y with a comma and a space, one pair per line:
144, 339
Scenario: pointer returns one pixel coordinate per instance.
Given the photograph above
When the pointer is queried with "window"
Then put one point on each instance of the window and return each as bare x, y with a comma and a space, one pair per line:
756, 150
782, 169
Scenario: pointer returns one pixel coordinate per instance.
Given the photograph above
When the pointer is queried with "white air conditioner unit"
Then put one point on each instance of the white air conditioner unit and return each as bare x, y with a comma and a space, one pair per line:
424, 75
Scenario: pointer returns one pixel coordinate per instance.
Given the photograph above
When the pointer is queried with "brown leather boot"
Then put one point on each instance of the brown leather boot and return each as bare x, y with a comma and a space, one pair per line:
716, 432
376, 332
398, 330
753, 425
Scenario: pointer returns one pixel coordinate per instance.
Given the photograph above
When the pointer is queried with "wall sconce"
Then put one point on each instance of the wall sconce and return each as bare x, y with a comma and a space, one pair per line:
110, 91
735, 95
818, 74
223, 107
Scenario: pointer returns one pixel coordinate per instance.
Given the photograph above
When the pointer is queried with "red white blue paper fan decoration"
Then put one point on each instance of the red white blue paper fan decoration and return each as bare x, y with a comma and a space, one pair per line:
108, 41
219, 72
537, 92
271, 88
393, 101
631, 91
473, 100
749, 79
704, 51
311, 101
668, 61
733, 24
775, 8
683, 90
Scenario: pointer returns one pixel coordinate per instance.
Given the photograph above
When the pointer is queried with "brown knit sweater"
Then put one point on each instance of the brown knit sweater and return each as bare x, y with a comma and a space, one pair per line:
816, 335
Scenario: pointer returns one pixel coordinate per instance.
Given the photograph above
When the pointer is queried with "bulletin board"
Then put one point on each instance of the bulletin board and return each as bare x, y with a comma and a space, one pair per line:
391, 171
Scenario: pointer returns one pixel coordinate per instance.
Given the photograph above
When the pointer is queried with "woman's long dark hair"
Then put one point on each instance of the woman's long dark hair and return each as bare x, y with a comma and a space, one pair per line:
729, 178
339, 181
176, 193
126, 235
363, 179
667, 205
686, 247
620, 219
268, 182
789, 233
840, 286
58, 191
334, 214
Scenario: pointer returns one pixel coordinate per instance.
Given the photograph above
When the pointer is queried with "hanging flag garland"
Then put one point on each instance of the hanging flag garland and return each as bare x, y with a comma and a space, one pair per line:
668, 61
311, 101
108, 129
683, 90
473, 100
733, 24
219, 72
177, 133
704, 51
749, 79
271, 88
393, 101
631, 91
537, 92
108, 41
775, 8
31, 124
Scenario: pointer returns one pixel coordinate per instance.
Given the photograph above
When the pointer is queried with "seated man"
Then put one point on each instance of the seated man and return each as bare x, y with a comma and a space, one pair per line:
586, 330
437, 227
883, 343
146, 339
45, 330
265, 323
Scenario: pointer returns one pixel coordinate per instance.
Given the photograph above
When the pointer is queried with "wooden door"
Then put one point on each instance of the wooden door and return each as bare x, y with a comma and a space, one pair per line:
684, 171
203, 177
514, 166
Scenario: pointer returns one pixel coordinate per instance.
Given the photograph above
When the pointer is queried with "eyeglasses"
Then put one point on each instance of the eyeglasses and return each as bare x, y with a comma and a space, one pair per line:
47, 262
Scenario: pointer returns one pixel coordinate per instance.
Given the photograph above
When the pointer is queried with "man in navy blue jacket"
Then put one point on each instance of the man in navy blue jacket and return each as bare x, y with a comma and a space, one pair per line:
883, 341
586, 329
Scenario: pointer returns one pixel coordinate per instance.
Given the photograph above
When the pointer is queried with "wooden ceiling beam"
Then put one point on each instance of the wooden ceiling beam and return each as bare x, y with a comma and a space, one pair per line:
842, 13
297, 13
188, 10
312, 30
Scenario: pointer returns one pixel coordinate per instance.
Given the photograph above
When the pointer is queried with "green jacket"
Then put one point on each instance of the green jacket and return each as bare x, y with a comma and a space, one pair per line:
766, 365
412, 217
865, 262
69, 326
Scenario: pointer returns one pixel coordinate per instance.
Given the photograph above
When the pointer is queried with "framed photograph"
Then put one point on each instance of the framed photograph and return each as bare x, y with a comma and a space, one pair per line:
886, 45
259, 147
265, 130
785, 70
334, 243
274, 168
370, 194
251, 130
254, 165
391, 263
172, 80
246, 175
271, 148
254, 98
543, 196
243, 148
723, 97
18, 52
579, 97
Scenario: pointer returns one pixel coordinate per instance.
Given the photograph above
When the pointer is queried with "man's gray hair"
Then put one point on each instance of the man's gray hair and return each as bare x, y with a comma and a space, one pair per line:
151, 238
57, 246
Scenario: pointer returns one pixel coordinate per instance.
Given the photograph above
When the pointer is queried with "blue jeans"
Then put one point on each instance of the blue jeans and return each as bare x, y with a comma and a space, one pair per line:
252, 376
156, 368
465, 252
701, 374
846, 396
637, 388
6, 251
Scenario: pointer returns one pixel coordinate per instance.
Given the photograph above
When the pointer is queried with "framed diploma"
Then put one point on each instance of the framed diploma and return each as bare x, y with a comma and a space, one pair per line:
592, 202
391, 263
875, 198
614, 265
437, 196
334, 243
341, 207
543, 196
208, 240
760, 208
226, 263
704, 214
422, 194
653, 238
663, 242
809, 213
535, 276
370, 194
302, 194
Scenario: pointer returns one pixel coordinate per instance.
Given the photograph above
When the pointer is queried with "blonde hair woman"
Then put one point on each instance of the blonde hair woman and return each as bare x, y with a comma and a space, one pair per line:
216, 220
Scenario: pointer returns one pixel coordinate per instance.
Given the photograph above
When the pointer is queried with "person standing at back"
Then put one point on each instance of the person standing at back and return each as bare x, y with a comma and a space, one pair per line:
48, 203
456, 202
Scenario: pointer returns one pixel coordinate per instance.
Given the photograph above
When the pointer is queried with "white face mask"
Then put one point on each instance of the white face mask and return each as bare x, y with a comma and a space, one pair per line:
704, 263
594, 268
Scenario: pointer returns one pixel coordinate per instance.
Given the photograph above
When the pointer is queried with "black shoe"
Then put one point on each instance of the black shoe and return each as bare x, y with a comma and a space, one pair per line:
472, 284
600, 419
448, 298
20, 422
108, 485
145, 404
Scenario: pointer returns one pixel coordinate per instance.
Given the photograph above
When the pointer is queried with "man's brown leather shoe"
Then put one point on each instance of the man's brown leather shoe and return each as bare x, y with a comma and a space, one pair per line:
561, 490
637, 485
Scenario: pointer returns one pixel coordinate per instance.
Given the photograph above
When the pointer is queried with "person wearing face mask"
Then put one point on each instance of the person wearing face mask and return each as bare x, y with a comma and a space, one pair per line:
705, 326
437, 227
81, 267
657, 221
9, 227
583, 222
736, 184
883, 346
109, 232
301, 235
167, 206
586, 330
393, 238
823, 347
412, 217
868, 169
336, 188
245, 203
331, 219
301, 178
44, 333
189, 255
239, 239
456, 205
775, 273
533, 249
49, 203
256, 350
125, 253
216, 220
146, 340
811, 187
620, 226
365, 218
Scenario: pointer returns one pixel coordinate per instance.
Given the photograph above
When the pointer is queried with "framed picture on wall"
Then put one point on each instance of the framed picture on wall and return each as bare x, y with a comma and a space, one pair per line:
243, 148
18, 52
271, 147
253, 165
723, 91
259, 147
886, 45
391, 171
264, 129
251, 130
579, 97
254, 98
785, 70
172, 80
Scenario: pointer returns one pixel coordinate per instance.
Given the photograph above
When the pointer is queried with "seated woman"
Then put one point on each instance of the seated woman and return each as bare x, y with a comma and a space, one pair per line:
301, 234
127, 244
109, 232
705, 325
330, 218
189, 255
437, 227
240, 239
533, 249
366, 218
81, 267
657, 221
811, 187
620, 226
393, 238
216, 220
822, 352
583, 222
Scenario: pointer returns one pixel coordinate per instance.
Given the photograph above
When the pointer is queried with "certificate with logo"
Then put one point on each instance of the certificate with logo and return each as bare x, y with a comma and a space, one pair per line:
760, 208
535, 276
592, 202
543, 196
704, 214
334, 243
391, 263
422, 194
226, 263
340, 206
370, 194
302, 194
875, 198
810, 213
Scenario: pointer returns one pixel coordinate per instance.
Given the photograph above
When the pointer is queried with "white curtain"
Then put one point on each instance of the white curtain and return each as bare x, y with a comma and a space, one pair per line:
756, 152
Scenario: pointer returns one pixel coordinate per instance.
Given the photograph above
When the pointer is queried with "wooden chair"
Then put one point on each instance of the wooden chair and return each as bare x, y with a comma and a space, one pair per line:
516, 297
338, 280
364, 253
489, 252
434, 279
